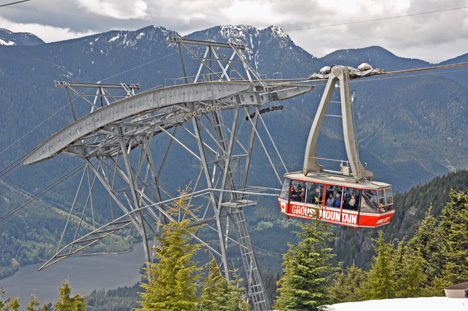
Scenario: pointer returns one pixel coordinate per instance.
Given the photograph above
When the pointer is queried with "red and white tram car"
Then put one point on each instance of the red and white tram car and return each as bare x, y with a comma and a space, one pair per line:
337, 199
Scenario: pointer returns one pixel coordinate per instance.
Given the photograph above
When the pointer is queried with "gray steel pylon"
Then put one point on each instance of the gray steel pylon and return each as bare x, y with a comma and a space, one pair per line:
130, 143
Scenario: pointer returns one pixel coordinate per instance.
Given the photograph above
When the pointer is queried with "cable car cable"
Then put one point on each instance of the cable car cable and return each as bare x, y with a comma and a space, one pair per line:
39, 194
11, 3
17, 163
14, 163
378, 19
11, 168
426, 68
374, 78
5, 217
353, 79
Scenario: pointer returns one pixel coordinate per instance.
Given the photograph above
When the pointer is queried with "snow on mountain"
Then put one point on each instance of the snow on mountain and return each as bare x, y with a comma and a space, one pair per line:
9, 38
130, 38
3, 42
404, 304
257, 40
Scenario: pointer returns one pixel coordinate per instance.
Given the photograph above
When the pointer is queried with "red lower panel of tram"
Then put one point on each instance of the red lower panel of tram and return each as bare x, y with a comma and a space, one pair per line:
336, 216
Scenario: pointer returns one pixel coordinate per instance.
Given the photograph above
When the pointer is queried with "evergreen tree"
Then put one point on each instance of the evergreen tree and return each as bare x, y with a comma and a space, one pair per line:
411, 277
337, 291
381, 277
171, 281
219, 294
399, 260
347, 285
304, 284
14, 304
67, 303
454, 226
427, 241
33, 303
270, 285
2, 303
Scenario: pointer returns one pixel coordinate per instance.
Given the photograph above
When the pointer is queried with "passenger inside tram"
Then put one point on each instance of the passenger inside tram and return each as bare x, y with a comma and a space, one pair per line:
337, 202
352, 203
330, 200
369, 201
294, 196
346, 198
334, 196
297, 191
351, 199
314, 193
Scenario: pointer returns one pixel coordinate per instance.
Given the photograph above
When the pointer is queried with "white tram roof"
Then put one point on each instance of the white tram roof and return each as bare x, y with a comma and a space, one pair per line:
344, 181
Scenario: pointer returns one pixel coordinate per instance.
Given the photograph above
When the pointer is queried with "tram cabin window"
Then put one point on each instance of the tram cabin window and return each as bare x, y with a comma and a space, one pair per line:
369, 201
334, 196
385, 200
381, 193
389, 198
351, 198
298, 191
314, 193
284, 194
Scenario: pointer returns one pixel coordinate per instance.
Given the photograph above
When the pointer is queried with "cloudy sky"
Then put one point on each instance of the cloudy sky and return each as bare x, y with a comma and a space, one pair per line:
432, 30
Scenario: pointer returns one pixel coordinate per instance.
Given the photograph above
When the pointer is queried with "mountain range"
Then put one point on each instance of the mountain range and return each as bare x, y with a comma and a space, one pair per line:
411, 128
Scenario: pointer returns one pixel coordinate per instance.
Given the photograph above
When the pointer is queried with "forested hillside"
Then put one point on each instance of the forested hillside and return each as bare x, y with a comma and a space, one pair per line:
410, 209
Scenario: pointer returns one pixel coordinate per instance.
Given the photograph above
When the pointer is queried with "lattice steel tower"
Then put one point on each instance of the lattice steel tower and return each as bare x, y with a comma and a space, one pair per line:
129, 144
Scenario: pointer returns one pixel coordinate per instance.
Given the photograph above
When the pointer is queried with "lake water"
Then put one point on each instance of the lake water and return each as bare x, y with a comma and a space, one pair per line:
84, 274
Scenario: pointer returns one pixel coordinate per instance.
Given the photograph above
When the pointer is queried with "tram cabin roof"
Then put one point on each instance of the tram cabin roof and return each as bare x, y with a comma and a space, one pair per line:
344, 181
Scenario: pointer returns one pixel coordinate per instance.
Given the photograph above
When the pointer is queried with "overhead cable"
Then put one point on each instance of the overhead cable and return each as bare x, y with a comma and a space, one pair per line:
11, 3
12, 212
377, 19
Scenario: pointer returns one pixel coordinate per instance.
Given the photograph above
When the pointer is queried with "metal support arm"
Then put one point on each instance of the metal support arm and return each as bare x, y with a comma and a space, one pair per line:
340, 73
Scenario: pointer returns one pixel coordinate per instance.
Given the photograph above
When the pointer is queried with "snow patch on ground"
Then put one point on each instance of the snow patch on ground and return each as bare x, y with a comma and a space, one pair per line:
404, 304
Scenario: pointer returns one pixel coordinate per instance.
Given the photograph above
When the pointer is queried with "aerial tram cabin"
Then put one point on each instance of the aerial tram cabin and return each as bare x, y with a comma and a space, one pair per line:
337, 200
348, 197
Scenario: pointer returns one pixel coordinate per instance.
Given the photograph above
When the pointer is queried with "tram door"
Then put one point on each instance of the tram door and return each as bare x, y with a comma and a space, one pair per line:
284, 196
315, 194
350, 210
333, 203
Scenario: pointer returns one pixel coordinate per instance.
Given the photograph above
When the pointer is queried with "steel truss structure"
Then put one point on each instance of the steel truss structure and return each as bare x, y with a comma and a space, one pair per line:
141, 148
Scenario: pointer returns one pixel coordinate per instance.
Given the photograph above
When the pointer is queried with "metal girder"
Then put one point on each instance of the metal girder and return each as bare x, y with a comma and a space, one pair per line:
131, 106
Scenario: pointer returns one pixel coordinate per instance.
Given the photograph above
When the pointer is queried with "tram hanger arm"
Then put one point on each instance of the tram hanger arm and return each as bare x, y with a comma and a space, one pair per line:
341, 73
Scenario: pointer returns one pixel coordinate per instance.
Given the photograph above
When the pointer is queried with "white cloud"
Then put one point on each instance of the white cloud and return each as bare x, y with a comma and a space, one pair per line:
432, 37
46, 33
246, 11
116, 9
